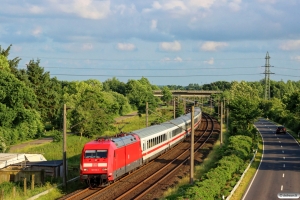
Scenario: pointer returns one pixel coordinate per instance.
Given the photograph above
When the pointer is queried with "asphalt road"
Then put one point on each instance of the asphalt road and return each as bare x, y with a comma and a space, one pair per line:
279, 170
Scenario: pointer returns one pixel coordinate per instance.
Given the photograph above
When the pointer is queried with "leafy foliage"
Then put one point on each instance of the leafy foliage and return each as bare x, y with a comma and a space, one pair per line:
91, 109
167, 95
48, 91
139, 92
18, 117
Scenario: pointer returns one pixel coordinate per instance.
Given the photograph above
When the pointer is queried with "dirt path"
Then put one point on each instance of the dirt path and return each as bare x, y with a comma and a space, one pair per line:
16, 147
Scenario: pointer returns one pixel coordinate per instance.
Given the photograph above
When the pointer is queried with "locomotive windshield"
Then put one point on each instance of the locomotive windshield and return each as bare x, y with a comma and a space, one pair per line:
95, 154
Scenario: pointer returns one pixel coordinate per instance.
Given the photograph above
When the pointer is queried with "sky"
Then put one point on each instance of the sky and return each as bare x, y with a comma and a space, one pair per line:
169, 42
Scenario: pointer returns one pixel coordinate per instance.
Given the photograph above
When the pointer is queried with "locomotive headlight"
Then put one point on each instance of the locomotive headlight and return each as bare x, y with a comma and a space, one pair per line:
104, 169
85, 169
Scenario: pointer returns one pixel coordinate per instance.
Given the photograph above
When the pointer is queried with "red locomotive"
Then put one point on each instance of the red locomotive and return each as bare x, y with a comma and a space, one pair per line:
108, 158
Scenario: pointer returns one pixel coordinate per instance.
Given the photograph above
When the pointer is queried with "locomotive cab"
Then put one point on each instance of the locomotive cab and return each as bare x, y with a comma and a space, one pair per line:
95, 166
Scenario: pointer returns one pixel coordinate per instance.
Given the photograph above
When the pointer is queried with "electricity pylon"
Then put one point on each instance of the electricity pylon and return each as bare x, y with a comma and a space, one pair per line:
267, 76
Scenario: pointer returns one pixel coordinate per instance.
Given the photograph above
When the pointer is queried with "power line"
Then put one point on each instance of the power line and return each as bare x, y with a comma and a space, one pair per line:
174, 76
143, 69
136, 60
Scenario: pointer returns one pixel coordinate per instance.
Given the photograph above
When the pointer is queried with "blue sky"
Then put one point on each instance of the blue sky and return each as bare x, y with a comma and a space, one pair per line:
170, 42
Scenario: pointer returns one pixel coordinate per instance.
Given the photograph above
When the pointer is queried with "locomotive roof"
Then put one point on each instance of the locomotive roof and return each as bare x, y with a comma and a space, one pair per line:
118, 141
123, 141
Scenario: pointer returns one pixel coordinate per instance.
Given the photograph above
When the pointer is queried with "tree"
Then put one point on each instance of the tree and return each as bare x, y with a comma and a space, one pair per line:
92, 110
114, 85
89, 117
244, 106
13, 64
48, 91
292, 102
4, 63
18, 118
167, 95
139, 92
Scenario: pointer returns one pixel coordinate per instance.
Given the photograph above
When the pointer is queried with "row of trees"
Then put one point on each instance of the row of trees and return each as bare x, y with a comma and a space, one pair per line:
31, 101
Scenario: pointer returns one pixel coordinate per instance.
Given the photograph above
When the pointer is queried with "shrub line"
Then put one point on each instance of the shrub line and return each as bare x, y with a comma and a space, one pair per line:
238, 183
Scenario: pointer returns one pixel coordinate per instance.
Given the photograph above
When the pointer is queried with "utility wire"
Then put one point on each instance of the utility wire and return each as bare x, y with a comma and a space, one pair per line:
152, 69
155, 75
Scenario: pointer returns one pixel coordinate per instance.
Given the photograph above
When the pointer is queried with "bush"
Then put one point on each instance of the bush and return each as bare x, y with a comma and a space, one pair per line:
57, 135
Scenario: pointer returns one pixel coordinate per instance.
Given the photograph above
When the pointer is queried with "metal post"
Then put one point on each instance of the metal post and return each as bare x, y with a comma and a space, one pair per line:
65, 147
192, 148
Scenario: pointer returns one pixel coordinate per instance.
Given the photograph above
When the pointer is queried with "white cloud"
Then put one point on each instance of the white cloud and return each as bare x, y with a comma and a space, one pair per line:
297, 58
36, 9
213, 46
166, 59
87, 46
170, 46
171, 5
125, 46
89, 9
290, 45
156, 5
178, 59
202, 4
37, 31
153, 24
267, 1
210, 61
235, 5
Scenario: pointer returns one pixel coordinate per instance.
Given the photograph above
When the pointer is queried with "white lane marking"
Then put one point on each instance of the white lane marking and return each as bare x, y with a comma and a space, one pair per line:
277, 138
281, 187
283, 158
279, 141
283, 175
283, 165
282, 151
281, 146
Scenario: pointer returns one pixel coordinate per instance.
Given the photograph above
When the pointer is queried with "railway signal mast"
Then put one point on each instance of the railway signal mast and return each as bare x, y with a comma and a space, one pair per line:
267, 76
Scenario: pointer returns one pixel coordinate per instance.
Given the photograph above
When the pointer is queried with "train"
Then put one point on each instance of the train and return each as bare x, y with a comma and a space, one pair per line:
106, 159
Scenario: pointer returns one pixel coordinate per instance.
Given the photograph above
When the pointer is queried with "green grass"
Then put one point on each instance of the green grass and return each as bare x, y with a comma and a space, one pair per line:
53, 151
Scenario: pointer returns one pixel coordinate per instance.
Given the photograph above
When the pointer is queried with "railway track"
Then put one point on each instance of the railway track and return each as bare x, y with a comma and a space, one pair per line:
149, 181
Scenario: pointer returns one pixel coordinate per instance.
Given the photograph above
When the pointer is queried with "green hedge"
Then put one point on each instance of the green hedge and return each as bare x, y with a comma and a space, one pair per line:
218, 179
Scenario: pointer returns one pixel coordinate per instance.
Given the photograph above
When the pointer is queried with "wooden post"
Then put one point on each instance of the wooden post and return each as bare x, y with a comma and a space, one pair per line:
65, 148
14, 192
32, 181
174, 107
146, 114
221, 132
192, 148
210, 105
2, 194
25, 186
